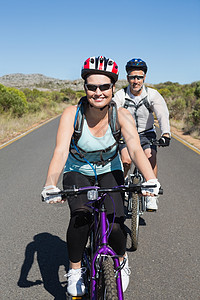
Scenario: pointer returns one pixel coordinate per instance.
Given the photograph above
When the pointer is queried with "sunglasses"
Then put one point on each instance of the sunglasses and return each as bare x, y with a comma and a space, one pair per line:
133, 77
102, 87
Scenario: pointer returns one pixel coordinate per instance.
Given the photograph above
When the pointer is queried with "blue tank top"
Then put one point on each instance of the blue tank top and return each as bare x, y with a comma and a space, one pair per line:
88, 142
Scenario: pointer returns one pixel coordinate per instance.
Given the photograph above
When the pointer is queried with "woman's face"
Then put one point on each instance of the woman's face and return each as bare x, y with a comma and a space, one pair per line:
99, 90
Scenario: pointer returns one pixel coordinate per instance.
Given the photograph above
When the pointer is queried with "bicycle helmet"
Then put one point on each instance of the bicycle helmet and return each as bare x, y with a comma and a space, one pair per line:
100, 65
136, 64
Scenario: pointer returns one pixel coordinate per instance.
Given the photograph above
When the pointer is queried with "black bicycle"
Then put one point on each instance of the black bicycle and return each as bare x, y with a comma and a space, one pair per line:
136, 203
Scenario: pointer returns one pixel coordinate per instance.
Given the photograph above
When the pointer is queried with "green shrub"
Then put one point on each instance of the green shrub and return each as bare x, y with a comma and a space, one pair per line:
80, 94
165, 92
31, 95
13, 100
33, 107
177, 108
197, 90
57, 97
195, 114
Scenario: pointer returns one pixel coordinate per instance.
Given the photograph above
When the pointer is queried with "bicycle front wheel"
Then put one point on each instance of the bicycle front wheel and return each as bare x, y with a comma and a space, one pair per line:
135, 221
107, 282
135, 218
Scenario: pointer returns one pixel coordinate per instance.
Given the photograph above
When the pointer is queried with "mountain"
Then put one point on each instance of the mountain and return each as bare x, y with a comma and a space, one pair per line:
42, 82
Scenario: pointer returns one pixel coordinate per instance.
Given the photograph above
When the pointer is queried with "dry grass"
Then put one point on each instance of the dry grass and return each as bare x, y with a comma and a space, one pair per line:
11, 127
181, 126
178, 124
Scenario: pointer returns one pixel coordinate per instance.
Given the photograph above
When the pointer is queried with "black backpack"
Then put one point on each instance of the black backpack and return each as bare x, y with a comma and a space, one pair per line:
144, 101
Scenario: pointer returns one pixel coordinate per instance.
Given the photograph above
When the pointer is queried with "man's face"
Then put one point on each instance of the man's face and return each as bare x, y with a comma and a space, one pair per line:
136, 80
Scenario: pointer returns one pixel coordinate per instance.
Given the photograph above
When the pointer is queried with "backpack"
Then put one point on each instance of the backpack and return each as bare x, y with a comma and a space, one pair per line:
78, 127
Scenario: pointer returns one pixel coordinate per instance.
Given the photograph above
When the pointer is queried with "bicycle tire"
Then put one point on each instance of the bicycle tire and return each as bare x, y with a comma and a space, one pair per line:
135, 217
107, 282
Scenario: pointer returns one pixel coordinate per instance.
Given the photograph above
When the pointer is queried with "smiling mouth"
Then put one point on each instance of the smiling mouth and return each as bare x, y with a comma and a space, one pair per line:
98, 99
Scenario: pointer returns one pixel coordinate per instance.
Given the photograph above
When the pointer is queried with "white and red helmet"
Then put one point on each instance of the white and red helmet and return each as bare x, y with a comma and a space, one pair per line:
100, 65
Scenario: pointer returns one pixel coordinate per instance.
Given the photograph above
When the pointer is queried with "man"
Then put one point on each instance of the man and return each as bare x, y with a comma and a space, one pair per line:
142, 102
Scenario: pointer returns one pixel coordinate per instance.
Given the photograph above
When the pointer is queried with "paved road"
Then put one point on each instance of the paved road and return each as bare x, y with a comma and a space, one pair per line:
33, 249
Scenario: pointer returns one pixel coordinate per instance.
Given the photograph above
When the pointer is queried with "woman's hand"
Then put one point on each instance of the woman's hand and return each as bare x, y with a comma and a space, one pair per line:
150, 191
51, 198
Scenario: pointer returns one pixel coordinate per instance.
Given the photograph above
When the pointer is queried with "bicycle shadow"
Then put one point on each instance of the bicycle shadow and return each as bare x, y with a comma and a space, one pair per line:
51, 253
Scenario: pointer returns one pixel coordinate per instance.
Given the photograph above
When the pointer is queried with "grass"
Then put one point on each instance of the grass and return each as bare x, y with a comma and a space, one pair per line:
178, 124
11, 127
181, 126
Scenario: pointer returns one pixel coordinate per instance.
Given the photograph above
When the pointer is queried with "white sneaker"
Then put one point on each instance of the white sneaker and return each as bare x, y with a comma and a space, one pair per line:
75, 284
151, 202
125, 273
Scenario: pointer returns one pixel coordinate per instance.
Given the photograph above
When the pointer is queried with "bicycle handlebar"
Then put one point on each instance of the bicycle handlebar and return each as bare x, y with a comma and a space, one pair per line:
73, 190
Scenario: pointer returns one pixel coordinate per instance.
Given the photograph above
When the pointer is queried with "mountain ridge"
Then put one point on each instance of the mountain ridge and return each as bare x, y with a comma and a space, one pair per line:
42, 82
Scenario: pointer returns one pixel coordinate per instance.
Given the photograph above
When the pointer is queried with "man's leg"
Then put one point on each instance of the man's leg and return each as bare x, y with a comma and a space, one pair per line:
152, 201
126, 160
151, 155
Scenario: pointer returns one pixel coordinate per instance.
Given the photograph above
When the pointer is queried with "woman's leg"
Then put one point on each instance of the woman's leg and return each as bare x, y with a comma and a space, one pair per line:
80, 220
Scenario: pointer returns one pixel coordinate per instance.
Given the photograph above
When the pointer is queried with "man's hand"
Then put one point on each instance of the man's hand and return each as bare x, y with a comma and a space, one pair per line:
164, 141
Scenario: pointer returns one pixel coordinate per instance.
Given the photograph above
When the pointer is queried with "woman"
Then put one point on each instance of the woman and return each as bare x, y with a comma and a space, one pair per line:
92, 156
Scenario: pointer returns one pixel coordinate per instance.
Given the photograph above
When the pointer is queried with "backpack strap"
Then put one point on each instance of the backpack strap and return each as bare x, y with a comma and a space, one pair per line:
114, 121
79, 119
78, 127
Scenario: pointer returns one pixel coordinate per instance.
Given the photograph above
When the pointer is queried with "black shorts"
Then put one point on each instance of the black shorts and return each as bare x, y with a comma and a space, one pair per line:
145, 139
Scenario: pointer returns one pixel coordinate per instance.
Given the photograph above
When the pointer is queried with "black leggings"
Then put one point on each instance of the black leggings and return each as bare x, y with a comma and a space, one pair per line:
80, 221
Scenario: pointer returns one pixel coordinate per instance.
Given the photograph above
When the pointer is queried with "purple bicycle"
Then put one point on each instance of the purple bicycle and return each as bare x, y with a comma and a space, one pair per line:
103, 276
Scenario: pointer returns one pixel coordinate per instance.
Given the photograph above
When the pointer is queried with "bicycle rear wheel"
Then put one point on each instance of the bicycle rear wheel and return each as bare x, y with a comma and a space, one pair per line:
107, 285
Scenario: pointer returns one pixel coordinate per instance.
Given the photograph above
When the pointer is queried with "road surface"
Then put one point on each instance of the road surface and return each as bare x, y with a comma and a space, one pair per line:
33, 244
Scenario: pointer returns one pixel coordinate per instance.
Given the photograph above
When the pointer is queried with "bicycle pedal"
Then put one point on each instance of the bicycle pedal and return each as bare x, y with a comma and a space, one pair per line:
76, 297
151, 210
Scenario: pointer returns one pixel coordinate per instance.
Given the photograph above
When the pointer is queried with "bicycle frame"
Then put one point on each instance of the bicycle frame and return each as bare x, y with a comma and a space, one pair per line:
103, 250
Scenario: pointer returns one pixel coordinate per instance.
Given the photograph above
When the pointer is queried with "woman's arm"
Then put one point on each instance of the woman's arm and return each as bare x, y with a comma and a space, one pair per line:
132, 140
64, 134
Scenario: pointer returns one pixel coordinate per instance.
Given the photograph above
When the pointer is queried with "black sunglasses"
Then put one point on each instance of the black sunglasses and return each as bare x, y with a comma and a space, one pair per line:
133, 77
102, 87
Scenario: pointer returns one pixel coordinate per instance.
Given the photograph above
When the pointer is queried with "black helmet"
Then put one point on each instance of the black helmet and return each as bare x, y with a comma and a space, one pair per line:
100, 65
136, 64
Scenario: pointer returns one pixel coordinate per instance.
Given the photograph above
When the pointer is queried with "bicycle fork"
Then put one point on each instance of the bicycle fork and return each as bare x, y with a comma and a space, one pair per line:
104, 251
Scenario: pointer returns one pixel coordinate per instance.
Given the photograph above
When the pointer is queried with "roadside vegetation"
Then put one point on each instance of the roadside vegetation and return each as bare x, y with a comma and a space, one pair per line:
183, 102
21, 109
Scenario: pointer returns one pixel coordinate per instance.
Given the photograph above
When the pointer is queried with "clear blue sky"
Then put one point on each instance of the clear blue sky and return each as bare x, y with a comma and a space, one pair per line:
54, 37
